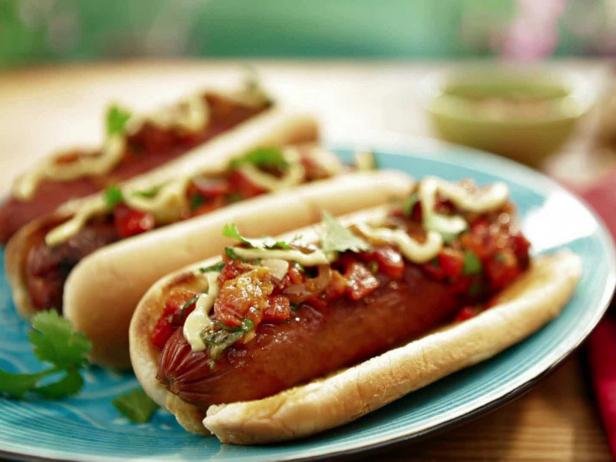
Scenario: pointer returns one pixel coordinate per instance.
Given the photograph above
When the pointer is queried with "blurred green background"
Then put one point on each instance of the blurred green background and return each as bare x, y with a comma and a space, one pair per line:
34, 31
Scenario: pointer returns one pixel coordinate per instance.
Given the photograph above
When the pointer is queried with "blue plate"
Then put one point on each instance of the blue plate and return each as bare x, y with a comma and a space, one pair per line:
87, 427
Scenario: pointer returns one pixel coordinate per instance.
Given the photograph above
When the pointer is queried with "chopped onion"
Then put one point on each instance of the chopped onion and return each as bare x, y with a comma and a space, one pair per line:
298, 293
277, 266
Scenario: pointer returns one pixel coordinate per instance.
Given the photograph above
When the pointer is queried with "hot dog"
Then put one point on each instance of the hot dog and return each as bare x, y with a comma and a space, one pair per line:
283, 338
41, 255
128, 237
134, 145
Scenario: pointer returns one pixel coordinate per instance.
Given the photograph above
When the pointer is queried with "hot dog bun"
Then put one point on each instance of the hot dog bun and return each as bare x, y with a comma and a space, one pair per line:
131, 266
523, 308
272, 128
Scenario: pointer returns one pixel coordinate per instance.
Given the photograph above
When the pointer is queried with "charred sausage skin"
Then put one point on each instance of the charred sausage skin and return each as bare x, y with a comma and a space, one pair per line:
311, 344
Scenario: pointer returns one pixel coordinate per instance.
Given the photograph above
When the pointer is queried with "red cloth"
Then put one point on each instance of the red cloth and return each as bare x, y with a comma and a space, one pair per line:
602, 358
602, 342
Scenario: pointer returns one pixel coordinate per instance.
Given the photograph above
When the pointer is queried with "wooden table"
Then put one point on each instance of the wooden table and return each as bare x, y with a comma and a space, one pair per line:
46, 108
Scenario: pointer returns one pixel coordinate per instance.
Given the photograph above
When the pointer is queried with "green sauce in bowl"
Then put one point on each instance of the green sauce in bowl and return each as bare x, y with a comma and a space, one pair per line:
525, 116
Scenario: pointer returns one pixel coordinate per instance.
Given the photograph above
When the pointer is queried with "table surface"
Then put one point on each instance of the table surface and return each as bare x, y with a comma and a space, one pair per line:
42, 109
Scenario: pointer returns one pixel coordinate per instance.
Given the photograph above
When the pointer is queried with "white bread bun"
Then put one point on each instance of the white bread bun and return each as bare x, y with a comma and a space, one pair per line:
523, 308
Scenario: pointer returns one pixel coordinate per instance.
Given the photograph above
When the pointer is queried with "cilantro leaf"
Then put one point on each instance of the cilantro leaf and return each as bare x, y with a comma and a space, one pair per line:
116, 120
70, 384
229, 252
136, 406
337, 238
187, 304
215, 267
262, 158
113, 196
219, 340
56, 342
231, 230
15, 385
472, 264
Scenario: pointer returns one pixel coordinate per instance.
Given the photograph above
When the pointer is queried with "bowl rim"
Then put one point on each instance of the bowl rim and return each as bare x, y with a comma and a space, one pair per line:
580, 96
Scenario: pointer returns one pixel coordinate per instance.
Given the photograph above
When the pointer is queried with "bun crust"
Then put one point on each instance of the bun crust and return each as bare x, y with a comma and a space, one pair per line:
523, 308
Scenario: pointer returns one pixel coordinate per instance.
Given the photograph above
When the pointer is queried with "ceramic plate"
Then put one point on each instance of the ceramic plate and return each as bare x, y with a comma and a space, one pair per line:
87, 427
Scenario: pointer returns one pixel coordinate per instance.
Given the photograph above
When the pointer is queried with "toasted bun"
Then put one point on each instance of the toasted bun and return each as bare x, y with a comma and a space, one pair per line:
523, 308
273, 127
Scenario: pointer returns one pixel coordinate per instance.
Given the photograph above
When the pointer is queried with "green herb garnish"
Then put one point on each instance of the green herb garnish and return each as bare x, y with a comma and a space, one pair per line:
116, 120
262, 158
229, 252
136, 406
409, 204
187, 304
196, 201
472, 264
218, 340
113, 196
231, 230
217, 267
247, 325
337, 238
55, 342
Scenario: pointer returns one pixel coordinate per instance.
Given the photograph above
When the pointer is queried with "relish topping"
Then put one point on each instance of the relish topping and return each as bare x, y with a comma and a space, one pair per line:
189, 116
139, 211
265, 280
111, 153
465, 199
199, 320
